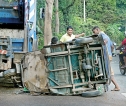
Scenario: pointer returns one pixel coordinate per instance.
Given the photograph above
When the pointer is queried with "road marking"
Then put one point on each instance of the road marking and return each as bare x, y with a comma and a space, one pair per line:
124, 94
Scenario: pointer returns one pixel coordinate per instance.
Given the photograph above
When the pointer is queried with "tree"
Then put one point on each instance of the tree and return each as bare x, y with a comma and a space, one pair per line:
57, 17
48, 21
65, 7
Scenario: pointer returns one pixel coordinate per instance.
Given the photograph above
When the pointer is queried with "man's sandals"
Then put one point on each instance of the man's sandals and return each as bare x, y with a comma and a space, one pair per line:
116, 89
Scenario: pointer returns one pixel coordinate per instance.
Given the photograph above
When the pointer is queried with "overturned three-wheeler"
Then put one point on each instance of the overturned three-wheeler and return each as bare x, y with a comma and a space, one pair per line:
80, 66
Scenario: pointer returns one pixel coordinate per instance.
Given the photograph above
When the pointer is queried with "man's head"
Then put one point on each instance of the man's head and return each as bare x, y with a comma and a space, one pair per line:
69, 30
96, 30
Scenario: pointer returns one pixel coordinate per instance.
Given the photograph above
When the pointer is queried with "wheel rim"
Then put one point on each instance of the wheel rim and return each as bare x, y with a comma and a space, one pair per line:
121, 70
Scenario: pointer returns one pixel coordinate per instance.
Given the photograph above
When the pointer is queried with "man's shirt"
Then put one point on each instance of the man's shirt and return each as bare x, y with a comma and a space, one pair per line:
108, 44
124, 42
124, 45
66, 38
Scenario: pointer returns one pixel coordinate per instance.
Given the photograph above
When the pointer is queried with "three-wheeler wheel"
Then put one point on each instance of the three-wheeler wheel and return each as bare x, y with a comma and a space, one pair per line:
93, 93
97, 91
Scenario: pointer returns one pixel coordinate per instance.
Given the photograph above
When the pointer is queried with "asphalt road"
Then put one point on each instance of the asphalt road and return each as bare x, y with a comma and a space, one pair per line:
110, 98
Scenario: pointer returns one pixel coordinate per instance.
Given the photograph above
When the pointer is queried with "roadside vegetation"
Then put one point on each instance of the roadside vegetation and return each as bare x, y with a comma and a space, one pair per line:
110, 15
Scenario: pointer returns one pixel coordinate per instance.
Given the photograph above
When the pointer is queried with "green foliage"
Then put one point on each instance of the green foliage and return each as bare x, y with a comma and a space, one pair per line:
40, 37
40, 24
109, 15
113, 31
40, 41
90, 23
102, 10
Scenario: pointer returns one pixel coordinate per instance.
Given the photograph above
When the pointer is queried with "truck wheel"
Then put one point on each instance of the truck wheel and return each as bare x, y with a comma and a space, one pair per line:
93, 93
122, 71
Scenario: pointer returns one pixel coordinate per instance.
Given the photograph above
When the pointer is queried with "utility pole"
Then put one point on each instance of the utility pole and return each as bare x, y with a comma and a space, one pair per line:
84, 12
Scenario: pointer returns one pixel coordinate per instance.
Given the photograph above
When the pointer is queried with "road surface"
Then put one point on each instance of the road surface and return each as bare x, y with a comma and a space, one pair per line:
111, 98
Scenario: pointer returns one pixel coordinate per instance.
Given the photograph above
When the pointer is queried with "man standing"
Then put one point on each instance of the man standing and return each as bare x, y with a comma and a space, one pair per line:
69, 35
96, 30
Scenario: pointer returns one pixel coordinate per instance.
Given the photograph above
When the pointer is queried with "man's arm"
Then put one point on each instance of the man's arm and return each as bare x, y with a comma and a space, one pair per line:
112, 46
105, 41
79, 35
104, 37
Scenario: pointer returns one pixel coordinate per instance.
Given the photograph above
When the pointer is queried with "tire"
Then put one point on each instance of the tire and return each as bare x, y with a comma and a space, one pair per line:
91, 93
122, 71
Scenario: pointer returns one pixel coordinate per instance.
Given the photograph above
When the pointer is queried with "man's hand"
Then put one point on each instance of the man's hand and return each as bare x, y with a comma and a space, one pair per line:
105, 41
82, 34
79, 35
